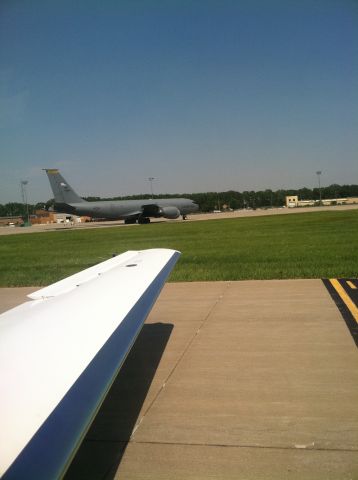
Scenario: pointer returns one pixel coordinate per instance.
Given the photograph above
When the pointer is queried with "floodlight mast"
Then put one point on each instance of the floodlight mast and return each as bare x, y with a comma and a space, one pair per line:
151, 185
318, 173
23, 184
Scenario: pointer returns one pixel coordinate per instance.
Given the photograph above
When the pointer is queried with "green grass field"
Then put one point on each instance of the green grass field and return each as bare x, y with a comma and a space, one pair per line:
307, 245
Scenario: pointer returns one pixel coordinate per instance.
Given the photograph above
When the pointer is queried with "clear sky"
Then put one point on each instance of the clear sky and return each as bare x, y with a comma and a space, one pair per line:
202, 95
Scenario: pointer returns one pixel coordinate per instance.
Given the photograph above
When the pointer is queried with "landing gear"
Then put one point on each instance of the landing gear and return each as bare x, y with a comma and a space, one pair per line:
184, 217
142, 220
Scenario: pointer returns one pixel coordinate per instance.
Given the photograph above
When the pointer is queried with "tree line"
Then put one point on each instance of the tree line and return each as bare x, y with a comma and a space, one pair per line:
210, 201
268, 198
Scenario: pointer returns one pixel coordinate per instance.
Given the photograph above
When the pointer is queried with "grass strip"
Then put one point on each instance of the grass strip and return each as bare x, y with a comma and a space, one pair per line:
307, 245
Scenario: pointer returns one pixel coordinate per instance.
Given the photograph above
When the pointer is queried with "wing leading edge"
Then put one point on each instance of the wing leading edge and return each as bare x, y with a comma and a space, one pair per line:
60, 353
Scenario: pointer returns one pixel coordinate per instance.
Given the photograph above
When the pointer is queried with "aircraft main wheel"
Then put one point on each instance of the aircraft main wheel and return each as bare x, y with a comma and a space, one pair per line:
143, 220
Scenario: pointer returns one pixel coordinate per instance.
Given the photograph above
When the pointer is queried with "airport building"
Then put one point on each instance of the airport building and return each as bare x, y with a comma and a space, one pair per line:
11, 221
42, 217
292, 201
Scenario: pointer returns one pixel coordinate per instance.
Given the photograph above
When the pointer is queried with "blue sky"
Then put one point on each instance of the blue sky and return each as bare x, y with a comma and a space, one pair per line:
201, 95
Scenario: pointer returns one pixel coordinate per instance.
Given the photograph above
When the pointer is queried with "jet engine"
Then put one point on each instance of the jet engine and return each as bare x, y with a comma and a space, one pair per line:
169, 212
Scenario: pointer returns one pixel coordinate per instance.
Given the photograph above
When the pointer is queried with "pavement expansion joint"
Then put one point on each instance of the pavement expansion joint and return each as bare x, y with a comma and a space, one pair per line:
309, 447
186, 349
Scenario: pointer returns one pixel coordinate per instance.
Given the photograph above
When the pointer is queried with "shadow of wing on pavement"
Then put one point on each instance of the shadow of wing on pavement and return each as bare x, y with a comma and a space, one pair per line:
104, 445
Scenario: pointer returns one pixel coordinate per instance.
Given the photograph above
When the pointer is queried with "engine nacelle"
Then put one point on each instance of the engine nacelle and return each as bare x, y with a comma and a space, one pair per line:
169, 212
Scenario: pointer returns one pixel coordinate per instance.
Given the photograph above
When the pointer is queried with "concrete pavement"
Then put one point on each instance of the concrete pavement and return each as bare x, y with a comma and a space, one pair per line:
238, 380
11, 297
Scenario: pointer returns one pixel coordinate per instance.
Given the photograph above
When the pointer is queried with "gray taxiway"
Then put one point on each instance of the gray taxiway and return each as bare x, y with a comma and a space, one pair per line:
230, 380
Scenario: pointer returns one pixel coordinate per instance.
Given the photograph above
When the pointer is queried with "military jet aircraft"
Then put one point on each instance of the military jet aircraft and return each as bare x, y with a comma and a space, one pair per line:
131, 211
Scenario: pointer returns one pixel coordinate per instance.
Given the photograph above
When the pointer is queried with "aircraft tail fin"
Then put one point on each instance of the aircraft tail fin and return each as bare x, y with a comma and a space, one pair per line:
62, 191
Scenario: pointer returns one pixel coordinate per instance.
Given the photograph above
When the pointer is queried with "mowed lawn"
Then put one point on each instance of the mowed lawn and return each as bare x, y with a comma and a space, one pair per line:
307, 245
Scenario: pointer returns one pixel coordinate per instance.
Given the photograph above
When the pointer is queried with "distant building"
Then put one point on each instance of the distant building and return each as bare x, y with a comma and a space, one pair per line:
11, 221
292, 201
44, 217
68, 218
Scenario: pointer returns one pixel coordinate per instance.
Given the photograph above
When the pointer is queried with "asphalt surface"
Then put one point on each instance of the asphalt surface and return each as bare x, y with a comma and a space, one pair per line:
231, 380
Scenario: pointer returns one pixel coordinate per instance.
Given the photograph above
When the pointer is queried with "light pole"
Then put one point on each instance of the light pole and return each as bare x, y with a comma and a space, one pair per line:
151, 185
318, 173
23, 184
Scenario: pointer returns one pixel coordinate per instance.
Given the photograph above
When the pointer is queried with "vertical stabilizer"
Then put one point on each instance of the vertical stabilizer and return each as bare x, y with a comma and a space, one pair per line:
62, 191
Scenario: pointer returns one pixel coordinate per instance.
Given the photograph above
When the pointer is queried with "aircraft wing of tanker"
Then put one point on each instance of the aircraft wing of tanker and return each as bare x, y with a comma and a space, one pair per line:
131, 211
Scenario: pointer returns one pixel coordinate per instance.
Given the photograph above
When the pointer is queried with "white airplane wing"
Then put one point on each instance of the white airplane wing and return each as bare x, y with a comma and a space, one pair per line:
60, 353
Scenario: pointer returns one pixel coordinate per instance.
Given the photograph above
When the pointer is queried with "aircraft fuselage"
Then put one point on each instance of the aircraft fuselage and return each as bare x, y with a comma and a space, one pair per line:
123, 209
